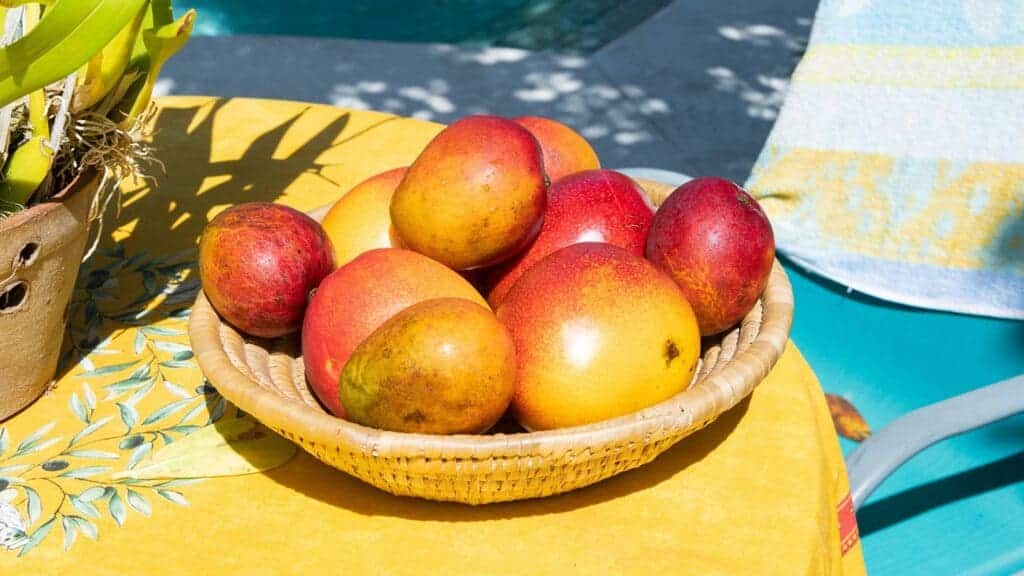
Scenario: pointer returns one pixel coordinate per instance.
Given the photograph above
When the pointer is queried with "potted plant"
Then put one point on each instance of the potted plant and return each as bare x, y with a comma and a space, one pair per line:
76, 81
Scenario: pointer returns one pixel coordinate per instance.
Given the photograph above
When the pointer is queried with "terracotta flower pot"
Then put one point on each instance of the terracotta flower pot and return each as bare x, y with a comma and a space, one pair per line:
40, 251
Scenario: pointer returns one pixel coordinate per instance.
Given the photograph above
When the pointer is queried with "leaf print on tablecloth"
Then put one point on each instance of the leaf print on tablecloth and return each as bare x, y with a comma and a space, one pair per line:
137, 427
229, 448
12, 526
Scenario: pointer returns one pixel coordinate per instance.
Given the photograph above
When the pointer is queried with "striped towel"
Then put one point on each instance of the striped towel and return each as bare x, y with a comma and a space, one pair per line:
896, 166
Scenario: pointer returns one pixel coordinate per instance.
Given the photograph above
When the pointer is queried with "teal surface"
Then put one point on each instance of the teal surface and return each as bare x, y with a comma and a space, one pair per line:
563, 25
957, 508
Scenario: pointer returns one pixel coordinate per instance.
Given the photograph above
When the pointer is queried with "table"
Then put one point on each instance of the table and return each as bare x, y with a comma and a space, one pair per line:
134, 450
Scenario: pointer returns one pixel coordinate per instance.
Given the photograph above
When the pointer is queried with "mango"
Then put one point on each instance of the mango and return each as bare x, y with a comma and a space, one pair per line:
599, 332
443, 366
588, 206
475, 196
714, 240
258, 262
360, 296
361, 219
565, 151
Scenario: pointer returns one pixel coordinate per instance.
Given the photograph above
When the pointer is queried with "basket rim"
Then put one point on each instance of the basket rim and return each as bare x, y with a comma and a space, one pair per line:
727, 387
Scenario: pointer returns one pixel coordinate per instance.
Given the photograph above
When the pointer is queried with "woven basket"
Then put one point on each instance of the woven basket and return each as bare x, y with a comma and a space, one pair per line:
40, 251
266, 379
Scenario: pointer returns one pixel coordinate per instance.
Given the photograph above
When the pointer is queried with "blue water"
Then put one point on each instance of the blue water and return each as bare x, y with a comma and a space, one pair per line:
563, 25
957, 508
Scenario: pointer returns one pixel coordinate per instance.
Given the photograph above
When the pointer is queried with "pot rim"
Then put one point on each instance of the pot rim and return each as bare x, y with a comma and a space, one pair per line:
79, 182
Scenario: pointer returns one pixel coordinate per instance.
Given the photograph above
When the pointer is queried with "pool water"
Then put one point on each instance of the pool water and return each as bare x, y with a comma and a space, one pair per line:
955, 508
579, 26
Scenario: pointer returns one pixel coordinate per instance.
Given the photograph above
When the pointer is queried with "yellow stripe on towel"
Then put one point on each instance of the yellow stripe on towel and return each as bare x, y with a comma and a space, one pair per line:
994, 68
835, 196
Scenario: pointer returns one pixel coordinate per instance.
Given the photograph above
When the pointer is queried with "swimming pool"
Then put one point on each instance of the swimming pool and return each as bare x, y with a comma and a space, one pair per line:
559, 25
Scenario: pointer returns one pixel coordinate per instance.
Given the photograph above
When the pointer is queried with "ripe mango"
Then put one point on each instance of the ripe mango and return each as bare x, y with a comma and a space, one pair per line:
565, 151
475, 196
443, 366
599, 333
357, 298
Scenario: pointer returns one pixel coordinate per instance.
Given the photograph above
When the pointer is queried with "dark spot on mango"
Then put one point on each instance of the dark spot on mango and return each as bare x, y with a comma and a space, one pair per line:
670, 353
254, 434
414, 417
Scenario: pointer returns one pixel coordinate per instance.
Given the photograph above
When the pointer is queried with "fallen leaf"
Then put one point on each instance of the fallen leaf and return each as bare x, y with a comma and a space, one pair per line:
230, 447
847, 419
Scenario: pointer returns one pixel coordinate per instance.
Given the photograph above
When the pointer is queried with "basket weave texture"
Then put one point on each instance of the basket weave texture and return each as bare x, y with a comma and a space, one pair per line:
266, 379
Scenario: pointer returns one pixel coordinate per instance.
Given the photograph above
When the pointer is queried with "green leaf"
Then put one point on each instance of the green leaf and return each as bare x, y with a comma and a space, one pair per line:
186, 429
37, 446
218, 410
14, 468
131, 442
89, 429
34, 437
161, 331
3, 440
69, 532
104, 70
233, 447
99, 454
90, 398
37, 536
84, 472
92, 493
141, 372
69, 34
126, 385
128, 414
85, 527
171, 347
160, 43
138, 454
108, 369
141, 392
116, 507
183, 355
167, 410
140, 342
195, 411
138, 503
84, 507
176, 364
173, 496
78, 408
176, 390
33, 505
26, 168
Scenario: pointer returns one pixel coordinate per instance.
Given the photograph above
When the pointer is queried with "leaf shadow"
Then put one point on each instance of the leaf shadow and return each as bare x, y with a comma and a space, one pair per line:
317, 480
168, 215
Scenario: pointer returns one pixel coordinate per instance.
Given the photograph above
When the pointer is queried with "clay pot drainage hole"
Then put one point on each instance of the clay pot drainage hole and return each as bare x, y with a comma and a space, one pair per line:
12, 297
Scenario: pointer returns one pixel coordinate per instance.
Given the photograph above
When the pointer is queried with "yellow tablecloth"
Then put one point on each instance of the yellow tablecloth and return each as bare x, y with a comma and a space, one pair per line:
118, 470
